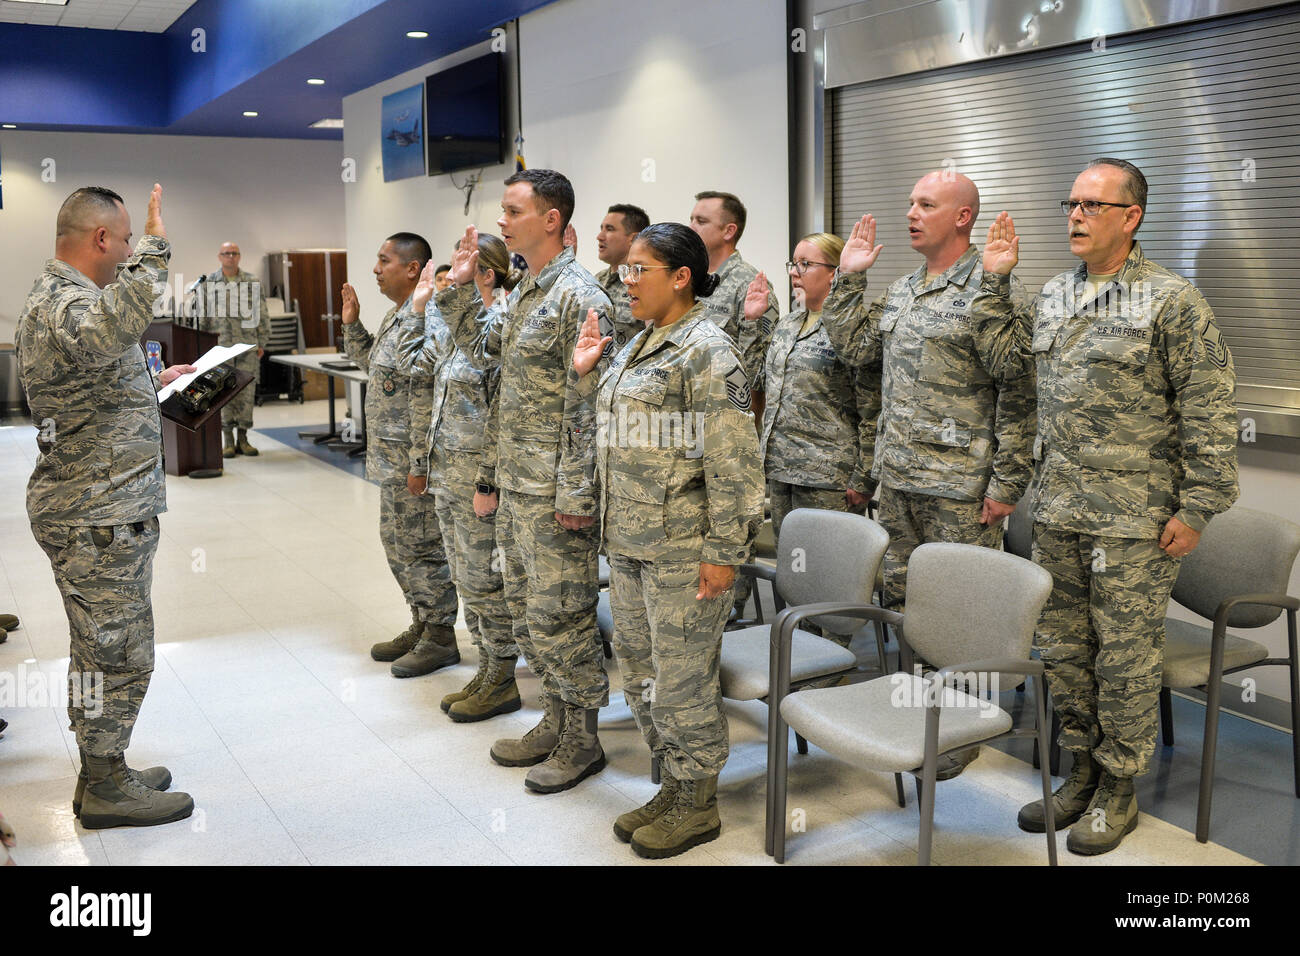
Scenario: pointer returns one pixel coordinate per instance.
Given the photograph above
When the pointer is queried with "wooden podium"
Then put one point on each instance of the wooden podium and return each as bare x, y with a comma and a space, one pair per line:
191, 444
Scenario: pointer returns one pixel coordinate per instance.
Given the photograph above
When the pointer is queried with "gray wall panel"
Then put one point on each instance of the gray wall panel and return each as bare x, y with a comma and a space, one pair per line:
1188, 104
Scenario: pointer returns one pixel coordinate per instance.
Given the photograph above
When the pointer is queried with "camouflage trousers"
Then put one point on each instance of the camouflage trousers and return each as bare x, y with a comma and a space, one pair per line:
550, 581
668, 646
913, 519
475, 565
1102, 641
105, 575
412, 538
786, 498
238, 412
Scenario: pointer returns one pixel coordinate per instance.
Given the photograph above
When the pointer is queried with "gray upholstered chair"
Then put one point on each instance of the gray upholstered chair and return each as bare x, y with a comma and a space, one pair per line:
1237, 577
822, 556
970, 611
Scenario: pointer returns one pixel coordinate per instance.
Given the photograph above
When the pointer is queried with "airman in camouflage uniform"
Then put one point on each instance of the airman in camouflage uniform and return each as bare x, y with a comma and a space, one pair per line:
545, 458
458, 435
233, 305
681, 492
617, 232
955, 424
819, 427
97, 489
1135, 451
398, 395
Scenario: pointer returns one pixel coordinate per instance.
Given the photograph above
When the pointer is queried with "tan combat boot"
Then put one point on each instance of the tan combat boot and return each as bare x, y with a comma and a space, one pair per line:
496, 694
633, 820
472, 686
1112, 815
536, 745
691, 820
244, 447
228, 449
155, 778
1069, 800
391, 650
576, 756
435, 649
116, 798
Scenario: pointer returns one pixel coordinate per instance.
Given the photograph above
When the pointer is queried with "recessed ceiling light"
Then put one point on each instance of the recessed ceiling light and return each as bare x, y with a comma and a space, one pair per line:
416, 34
10, 126
327, 124
250, 112
315, 82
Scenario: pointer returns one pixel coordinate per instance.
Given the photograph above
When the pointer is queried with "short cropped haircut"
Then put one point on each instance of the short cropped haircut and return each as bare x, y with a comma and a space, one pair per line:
441, 269
411, 247
552, 189
732, 208
1135, 184
634, 217
81, 210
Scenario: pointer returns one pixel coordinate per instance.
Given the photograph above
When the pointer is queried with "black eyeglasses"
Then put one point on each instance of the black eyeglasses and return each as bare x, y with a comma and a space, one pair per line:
800, 266
1091, 207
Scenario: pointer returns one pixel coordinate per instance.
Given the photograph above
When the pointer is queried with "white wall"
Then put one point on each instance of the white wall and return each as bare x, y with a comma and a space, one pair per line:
607, 85
265, 194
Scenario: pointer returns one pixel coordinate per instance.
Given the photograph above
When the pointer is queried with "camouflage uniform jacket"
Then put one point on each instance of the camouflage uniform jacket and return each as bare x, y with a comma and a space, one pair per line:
819, 426
954, 422
235, 309
92, 398
727, 310
460, 405
1137, 419
392, 358
677, 455
626, 327
545, 424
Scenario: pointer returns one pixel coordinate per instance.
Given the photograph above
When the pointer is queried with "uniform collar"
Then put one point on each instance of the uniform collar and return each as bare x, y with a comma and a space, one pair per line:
1132, 263
732, 261
958, 273
608, 276
550, 272
71, 273
677, 333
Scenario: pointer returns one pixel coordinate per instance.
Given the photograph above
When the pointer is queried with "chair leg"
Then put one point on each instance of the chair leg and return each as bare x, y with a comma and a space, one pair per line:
1041, 738
779, 785
898, 785
1055, 747
1206, 794
926, 786
800, 744
1294, 667
881, 654
654, 769
1167, 716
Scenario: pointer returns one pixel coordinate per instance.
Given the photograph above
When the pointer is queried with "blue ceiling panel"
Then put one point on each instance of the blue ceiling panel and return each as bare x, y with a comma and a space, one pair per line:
257, 56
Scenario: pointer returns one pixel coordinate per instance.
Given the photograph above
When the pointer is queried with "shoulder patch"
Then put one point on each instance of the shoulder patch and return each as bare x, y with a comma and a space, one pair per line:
738, 389
1215, 347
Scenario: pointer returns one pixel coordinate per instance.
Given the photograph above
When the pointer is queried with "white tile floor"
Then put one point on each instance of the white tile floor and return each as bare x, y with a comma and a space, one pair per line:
269, 587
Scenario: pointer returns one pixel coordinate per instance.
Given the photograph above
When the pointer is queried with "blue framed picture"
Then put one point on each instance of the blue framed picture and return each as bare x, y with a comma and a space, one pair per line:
402, 133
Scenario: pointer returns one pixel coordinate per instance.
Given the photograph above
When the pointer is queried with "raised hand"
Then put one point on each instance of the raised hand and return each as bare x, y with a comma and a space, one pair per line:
351, 310
591, 344
1002, 250
425, 288
860, 251
571, 238
756, 298
465, 259
153, 224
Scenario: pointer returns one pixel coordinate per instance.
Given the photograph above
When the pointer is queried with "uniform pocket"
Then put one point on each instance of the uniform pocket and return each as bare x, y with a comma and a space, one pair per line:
1117, 370
949, 361
1115, 479
946, 432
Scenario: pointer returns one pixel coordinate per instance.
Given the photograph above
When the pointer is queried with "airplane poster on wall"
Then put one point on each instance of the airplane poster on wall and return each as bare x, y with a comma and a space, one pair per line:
402, 133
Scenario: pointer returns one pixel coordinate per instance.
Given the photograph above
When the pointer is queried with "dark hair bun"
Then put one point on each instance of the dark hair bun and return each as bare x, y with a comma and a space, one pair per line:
707, 285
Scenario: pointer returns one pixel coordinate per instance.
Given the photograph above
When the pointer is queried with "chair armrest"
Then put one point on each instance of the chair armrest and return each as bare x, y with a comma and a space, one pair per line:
996, 665
763, 571
1220, 632
783, 635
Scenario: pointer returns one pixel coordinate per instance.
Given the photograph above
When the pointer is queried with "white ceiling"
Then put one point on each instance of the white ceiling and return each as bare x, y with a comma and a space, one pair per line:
147, 16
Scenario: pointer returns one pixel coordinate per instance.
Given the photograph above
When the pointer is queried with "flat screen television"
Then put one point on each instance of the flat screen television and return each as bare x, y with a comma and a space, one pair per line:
466, 115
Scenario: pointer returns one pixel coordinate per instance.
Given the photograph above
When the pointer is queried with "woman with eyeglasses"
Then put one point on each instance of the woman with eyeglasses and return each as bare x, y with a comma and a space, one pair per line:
462, 474
681, 502
819, 427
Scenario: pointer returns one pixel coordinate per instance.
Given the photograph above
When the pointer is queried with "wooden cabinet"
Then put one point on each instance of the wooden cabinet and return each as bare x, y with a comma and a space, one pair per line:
309, 281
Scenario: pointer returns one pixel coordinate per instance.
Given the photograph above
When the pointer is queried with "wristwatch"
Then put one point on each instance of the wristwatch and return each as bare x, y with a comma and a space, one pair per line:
484, 489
